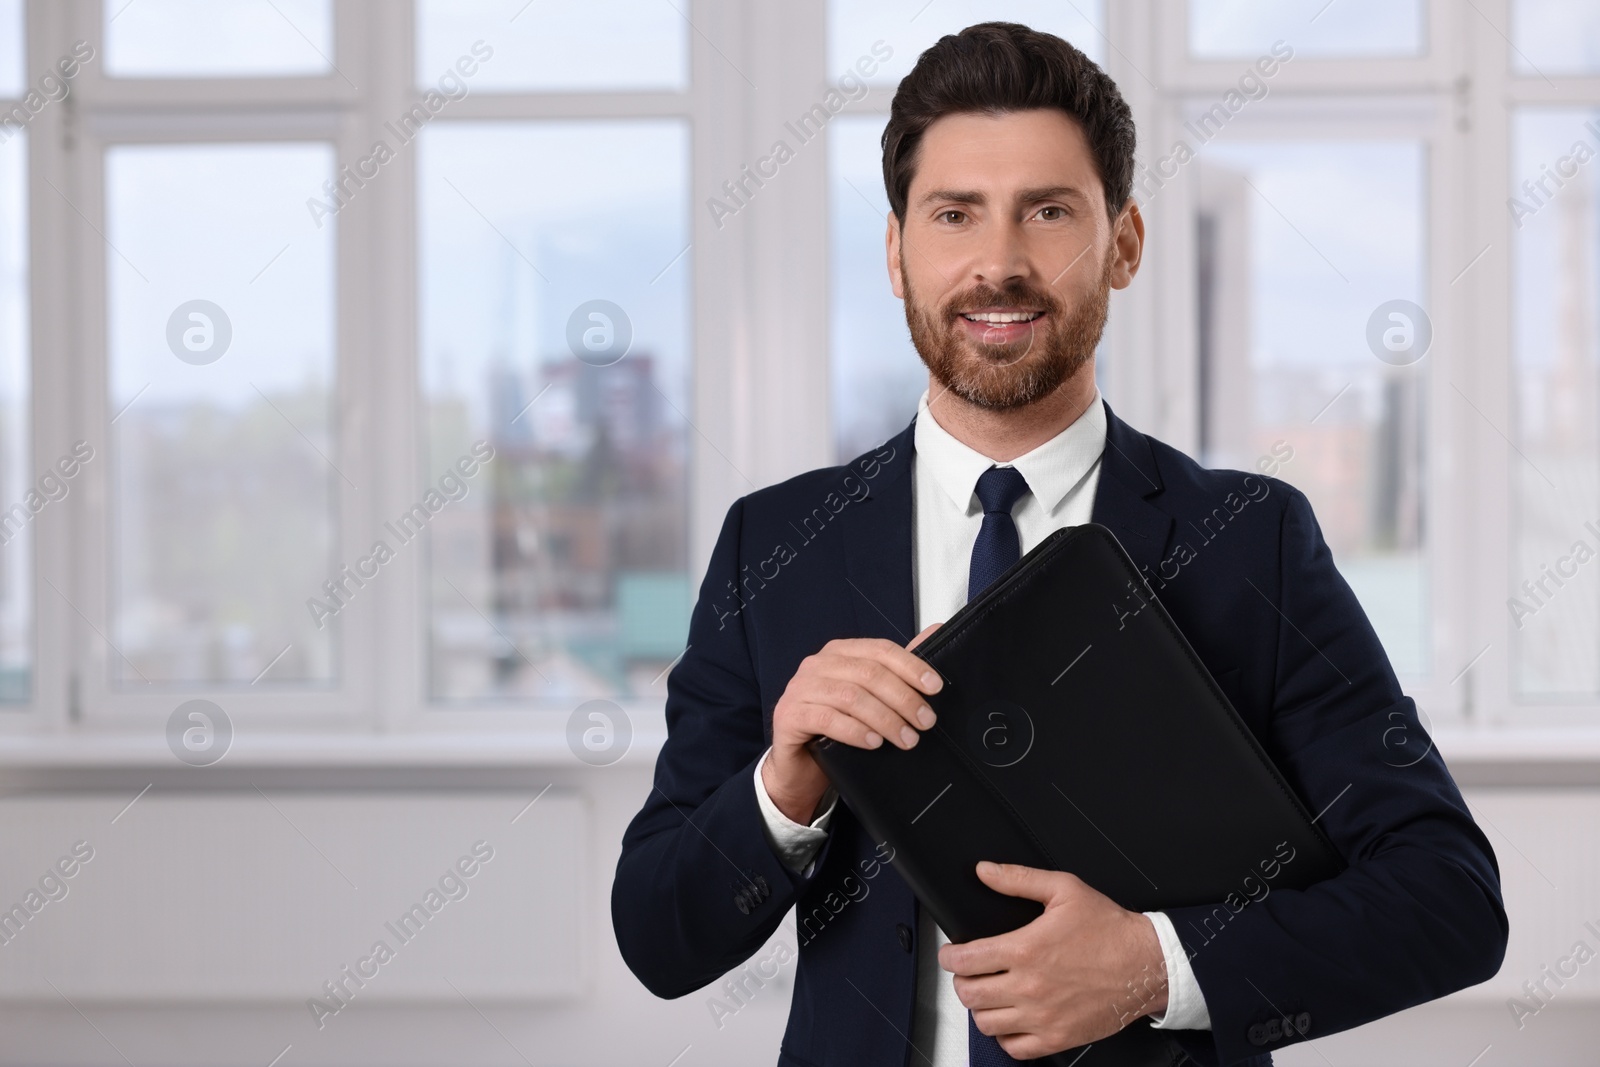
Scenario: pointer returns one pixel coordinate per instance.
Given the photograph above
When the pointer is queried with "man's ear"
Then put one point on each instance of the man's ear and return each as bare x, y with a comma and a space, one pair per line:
891, 245
1127, 237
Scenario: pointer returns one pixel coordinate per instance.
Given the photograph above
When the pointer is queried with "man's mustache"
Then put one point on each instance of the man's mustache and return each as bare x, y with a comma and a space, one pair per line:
998, 298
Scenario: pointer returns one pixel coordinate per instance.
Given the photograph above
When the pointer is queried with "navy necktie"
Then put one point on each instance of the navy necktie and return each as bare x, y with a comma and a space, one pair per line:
998, 547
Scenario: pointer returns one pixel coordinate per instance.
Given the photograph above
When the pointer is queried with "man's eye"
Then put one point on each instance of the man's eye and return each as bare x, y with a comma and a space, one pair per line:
1052, 213
952, 216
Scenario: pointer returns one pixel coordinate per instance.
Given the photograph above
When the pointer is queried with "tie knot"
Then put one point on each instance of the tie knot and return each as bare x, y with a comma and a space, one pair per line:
999, 488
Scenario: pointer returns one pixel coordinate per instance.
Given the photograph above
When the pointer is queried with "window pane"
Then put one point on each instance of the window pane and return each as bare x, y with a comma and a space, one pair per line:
223, 479
1221, 29
876, 373
1309, 370
599, 44
1554, 588
906, 28
16, 476
11, 48
1555, 36
218, 38
555, 330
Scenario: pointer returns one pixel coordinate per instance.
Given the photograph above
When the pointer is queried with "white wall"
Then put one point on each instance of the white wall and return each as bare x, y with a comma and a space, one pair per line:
222, 898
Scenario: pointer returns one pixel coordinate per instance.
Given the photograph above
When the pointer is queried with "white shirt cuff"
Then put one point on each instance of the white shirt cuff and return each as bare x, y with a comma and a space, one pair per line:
794, 844
1186, 1005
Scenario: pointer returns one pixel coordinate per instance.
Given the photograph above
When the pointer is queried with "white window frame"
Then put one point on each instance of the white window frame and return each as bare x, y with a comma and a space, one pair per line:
759, 319
1488, 178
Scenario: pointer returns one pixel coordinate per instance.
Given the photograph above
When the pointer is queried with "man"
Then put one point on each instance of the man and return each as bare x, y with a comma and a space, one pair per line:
1008, 159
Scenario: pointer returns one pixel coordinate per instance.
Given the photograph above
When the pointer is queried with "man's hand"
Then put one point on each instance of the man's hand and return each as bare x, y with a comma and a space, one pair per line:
855, 690
1080, 972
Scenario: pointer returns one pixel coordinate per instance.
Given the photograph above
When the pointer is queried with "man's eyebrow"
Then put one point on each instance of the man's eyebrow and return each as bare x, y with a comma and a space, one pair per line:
1026, 196
1052, 192
951, 196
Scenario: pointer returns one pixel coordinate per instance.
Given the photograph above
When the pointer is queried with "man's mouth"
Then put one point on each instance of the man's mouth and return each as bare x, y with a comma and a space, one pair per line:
1001, 317
996, 327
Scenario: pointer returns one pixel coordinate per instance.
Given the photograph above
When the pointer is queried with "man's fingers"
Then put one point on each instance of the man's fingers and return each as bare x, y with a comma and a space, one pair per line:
923, 636
984, 956
911, 668
1015, 880
872, 681
831, 722
861, 702
888, 687
997, 1022
985, 991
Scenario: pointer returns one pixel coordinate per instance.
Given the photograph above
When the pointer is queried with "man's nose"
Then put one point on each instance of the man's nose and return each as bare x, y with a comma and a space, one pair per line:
1003, 255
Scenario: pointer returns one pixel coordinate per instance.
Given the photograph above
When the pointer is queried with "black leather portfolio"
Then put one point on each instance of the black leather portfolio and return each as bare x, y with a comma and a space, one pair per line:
1078, 731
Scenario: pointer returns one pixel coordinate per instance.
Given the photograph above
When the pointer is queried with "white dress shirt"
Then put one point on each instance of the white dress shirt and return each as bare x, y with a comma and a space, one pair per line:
1062, 474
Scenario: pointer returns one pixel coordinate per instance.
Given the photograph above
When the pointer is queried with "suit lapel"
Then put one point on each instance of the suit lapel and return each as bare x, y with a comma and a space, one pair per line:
1128, 477
878, 546
879, 549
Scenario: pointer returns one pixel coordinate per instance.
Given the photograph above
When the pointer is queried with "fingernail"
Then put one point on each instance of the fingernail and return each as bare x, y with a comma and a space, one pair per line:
931, 681
908, 735
873, 740
926, 717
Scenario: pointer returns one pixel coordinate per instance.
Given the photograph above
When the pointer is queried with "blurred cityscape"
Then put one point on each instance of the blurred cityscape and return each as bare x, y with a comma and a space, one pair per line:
1352, 424
576, 552
560, 573
223, 523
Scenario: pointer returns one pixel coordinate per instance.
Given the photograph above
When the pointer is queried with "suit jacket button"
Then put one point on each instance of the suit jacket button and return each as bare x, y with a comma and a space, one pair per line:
763, 891
905, 935
1258, 1034
742, 900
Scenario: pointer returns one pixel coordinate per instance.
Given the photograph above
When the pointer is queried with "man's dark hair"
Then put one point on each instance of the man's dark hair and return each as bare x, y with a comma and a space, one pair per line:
996, 67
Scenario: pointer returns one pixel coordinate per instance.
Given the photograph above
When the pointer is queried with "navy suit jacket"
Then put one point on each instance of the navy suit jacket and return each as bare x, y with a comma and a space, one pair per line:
1239, 561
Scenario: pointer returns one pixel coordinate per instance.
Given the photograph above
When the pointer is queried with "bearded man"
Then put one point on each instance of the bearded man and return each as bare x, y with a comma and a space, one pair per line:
1008, 161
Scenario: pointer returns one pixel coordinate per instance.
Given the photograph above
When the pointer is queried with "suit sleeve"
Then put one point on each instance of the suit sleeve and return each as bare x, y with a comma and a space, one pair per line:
698, 889
1417, 913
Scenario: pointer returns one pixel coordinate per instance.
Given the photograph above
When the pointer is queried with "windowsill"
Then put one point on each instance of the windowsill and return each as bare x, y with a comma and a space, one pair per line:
520, 748
1478, 756
1498, 744
1522, 756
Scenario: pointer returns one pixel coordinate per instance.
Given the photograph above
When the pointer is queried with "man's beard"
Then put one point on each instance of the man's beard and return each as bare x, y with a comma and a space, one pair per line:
1002, 376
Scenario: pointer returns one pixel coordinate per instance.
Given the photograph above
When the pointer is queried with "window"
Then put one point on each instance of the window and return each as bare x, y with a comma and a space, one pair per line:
600, 45
230, 222
1228, 29
438, 436
1554, 598
1554, 37
218, 38
225, 478
908, 27
16, 459
554, 332
877, 375
11, 49
1306, 249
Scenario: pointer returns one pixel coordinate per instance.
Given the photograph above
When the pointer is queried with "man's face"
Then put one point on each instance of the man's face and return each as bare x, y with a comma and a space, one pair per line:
1007, 257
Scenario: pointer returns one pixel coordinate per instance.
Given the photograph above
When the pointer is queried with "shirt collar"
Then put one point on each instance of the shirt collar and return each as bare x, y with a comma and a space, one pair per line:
1051, 469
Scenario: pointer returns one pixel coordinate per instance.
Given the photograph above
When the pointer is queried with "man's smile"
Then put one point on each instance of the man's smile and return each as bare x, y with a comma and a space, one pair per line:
998, 326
